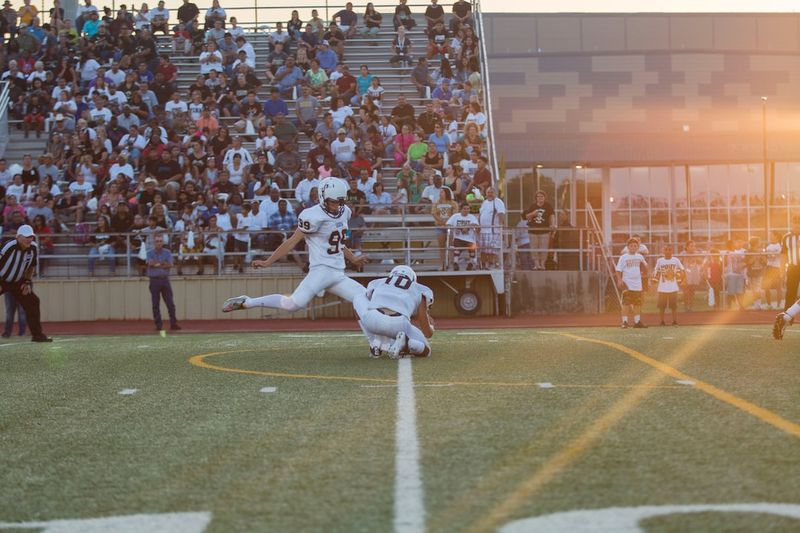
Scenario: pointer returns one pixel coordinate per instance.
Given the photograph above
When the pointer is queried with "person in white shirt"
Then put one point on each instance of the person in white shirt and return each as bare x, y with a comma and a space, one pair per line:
17, 189
121, 167
211, 59
81, 187
115, 75
245, 223
270, 205
366, 183
159, 18
88, 70
278, 36
235, 30
668, 273
631, 270
243, 45
343, 148
324, 228
101, 115
237, 148
38, 73
492, 218
303, 190
463, 237
116, 97
385, 312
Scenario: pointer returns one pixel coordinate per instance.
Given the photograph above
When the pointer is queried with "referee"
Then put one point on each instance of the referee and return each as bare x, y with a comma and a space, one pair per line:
790, 248
18, 260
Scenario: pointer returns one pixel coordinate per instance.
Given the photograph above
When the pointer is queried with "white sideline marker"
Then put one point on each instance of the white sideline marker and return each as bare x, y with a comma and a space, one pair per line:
546, 385
268, 389
128, 392
409, 510
684, 382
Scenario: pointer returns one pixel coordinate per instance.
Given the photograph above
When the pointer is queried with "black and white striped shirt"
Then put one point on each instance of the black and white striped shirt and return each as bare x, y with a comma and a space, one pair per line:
790, 247
14, 261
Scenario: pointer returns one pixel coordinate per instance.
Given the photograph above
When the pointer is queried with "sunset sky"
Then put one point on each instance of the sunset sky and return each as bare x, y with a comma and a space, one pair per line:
535, 6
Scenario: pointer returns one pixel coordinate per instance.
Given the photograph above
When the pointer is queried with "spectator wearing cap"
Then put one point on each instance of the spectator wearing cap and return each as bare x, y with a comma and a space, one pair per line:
159, 264
18, 259
343, 149
327, 57
9, 14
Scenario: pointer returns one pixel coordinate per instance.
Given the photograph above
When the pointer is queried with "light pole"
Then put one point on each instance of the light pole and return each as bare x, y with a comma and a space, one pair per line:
767, 188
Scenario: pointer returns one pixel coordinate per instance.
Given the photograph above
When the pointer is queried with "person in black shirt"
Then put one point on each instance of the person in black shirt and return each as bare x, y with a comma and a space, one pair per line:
434, 14
428, 119
402, 16
355, 197
403, 113
462, 15
187, 14
541, 222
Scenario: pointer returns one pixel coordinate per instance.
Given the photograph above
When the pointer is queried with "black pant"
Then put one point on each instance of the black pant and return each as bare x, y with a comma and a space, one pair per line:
792, 280
160, 287
29, 303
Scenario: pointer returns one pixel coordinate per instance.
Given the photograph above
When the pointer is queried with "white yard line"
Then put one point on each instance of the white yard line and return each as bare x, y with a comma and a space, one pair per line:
409, 509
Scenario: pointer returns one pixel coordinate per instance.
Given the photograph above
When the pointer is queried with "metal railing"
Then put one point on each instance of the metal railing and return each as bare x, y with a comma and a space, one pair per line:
5, 96
125, 253
487, 92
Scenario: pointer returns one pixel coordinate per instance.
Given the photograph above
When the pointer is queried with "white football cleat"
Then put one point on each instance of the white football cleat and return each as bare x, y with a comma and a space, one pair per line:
397, 346
234, 304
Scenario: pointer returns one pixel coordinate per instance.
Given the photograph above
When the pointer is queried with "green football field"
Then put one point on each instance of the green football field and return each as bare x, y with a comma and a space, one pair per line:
499, 429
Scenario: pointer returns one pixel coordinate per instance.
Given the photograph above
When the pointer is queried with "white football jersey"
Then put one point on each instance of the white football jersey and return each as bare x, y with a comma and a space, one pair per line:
399, 294
325, 236
465, 226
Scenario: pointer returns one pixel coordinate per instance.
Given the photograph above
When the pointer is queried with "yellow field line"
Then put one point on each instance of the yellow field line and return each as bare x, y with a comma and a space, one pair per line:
578, 446
200, 361
762, 414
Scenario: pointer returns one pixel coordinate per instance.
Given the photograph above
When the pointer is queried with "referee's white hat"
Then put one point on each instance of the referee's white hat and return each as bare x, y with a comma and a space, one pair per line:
25, 231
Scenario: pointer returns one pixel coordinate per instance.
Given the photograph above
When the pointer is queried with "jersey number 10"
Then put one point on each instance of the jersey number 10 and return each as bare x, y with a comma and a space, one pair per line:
401, 282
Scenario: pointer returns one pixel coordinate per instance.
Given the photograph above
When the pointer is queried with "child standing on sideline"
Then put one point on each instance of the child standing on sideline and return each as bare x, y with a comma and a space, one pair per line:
668, 272
631, 270
714, 275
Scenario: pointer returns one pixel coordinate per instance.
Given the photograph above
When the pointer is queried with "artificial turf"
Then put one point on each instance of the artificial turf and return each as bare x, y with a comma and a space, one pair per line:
512, 424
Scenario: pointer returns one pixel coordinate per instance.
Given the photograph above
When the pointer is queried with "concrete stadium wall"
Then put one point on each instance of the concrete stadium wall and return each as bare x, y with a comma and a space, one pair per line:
201, 298
626, 88
555, 292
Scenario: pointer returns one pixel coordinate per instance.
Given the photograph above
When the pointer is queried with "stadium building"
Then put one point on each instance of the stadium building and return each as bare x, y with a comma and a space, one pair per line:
664, 123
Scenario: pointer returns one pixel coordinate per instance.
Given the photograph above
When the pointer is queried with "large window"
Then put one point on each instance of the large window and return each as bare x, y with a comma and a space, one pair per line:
705, 203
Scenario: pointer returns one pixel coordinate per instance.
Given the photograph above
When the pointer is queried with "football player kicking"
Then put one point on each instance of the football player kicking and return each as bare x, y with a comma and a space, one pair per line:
323, 227
784, 320
385, 310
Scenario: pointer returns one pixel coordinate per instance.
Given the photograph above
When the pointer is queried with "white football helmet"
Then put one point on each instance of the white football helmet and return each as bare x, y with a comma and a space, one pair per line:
404, 271
333, 189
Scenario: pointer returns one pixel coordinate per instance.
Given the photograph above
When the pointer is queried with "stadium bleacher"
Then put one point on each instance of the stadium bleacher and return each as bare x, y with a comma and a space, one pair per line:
403, 233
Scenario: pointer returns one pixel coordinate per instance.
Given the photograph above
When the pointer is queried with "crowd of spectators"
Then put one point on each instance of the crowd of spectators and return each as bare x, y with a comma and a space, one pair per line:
129, 148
